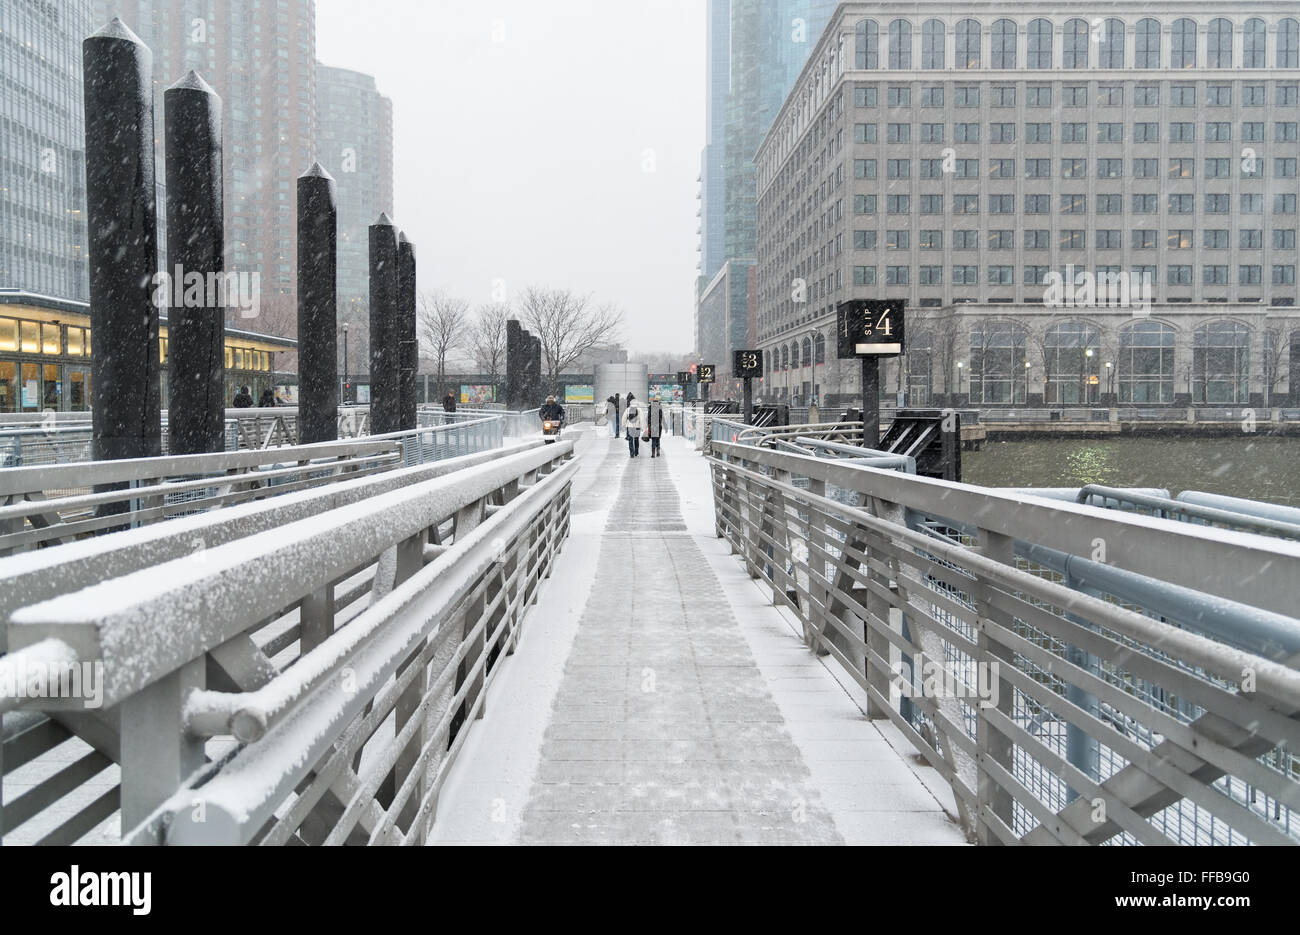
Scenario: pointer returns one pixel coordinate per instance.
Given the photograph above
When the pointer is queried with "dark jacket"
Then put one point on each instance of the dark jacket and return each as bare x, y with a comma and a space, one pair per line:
242, 400
449, 403
268, 398
553, 412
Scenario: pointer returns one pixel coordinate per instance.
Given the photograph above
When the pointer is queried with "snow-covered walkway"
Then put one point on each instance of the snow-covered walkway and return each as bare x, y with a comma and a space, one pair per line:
657, 697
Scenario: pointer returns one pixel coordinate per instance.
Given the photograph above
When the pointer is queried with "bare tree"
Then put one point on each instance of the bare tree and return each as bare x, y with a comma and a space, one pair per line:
487, 339
442, 321
568, 325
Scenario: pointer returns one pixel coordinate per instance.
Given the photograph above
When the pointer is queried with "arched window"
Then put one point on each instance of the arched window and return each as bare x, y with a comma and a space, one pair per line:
900, 44
1146, 362
968, 43
1218, 52
806, 352
820, 348
1074, 44
1040, 44
1182, 53
1110, 44
868, 44
1252, 45
785, 357
997, 362
1220, 362
1072, 363
932, 39
1003, 51
1288, 43
1147, 44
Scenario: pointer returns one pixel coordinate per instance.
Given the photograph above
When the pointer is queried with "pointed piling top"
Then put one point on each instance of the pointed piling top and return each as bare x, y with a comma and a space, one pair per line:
116, 29
317, 171
401, 239
193, 82
383, 221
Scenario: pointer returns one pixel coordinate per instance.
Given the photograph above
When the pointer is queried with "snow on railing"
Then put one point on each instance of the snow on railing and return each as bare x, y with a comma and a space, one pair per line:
383, 598
1078, 674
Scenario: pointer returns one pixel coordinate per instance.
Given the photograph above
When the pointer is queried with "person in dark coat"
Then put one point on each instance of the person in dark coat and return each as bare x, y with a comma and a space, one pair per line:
449, 402
243, 399
659, 418
268, 398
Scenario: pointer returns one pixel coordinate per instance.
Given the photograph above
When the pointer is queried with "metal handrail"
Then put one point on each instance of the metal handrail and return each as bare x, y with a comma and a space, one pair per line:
1111, 676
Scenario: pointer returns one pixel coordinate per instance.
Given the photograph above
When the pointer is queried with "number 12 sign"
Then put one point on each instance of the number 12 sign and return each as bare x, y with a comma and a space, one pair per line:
869, 328
747, 364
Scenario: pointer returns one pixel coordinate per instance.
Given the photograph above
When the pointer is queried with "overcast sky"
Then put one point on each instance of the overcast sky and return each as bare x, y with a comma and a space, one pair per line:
550, 142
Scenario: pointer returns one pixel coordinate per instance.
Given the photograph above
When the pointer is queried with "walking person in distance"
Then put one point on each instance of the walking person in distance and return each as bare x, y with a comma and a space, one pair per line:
632, 425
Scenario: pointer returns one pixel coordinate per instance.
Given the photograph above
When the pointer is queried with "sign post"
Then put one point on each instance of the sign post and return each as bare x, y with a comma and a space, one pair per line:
747, 365
706, 375
870, 329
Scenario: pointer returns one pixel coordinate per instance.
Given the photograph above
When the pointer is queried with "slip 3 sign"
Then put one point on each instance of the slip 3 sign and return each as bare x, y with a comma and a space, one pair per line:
870, 328
747, 364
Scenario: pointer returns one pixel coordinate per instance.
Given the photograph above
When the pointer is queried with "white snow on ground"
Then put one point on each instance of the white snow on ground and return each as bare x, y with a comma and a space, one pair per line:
485, 792
864, 771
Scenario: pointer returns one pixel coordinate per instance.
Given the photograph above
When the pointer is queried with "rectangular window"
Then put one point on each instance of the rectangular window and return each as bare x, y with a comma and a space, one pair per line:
965, 275
966, 97
1036, 275
1001, 168
1074, 204
1144, 239
1038, 97
1284, 275
1038, 133
1252, 131
965, 204
1109, 240
1037, 239
1217, 203
864, 97
864, 240
899, 204
1287, 94
1252, 95
1075, 96
1215, 275
1038, 168
1214, 239
1072, 239
1110, 168
1218, 168
966, 132
931, 204
1004, 97
1249, 275
900, 97
898, 240
1180, 132
1218, 132
864, 204
1252, 204
932, 97
898, 275
966, 168
1282, 204
1178, 275
1146, 95
1002, 204
1074, 133
1284, 239
931, 133
1074, 168
1182, 168
1002, 132
1110, 133
1145, 168
899, 168
930, 240
965, 239
1038, 204
1180, 240
1250, 239
864, 168
1002, 240
1146, 132
864, 275
1284, 132
899, 133
1183, 95
1144, 204
1001, 275
1284, 167
931, 168
864, 132
1218, 95
931, 275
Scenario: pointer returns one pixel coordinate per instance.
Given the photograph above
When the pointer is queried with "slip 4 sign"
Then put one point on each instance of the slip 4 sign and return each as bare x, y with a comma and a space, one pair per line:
870, 328
747, 364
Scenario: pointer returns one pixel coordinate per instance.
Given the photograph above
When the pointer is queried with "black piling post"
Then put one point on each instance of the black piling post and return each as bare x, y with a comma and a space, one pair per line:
384, 402
408, 354
318, 384
122, 245
196, 364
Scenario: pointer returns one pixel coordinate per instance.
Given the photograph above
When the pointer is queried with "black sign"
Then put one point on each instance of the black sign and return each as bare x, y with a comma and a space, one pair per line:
684, 377
746, 364
869, 328
705, 373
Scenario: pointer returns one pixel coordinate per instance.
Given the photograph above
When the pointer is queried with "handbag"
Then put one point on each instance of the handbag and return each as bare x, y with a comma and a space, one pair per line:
646, 436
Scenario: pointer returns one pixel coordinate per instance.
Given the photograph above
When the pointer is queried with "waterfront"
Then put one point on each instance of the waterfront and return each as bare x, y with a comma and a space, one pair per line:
1259, 468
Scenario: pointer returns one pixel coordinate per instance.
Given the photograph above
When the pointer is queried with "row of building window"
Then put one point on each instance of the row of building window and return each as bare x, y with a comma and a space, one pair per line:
1106, 239
1036, 275
1078, 36
1141, 203
1180, 167
1040, 96
1143, 132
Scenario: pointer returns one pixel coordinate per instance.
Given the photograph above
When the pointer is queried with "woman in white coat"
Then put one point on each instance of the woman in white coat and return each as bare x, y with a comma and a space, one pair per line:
633, 421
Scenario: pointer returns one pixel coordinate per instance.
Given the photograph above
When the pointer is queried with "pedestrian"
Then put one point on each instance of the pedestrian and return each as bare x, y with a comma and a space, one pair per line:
268, 398
612, 406
449, 402
655, 427
632, 425
243, 399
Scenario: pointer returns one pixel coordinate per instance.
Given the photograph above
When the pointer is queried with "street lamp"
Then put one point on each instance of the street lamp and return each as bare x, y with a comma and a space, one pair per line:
345, 356
1087, 375
1110, 382
960, 366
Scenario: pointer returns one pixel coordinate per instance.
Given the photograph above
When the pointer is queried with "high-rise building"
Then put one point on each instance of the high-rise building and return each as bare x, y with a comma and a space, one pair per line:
1071, 206
42, 148
355, 144
756, 49
260, 57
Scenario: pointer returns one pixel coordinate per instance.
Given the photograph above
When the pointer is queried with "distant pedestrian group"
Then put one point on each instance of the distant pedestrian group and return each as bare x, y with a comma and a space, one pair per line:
639, 423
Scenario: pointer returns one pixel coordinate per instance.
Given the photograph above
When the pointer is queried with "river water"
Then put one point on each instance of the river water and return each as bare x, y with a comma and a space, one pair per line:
1259, 468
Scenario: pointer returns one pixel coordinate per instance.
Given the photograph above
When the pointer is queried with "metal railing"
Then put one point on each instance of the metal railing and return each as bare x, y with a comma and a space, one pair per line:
308, 675
56, 503
518, 424
1078, 675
